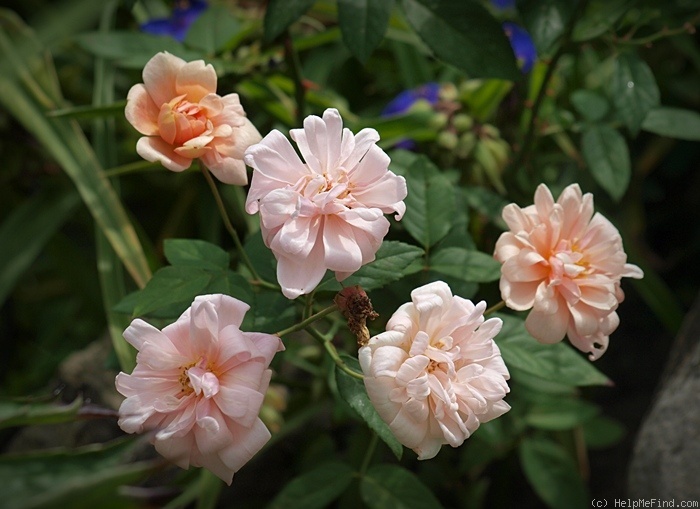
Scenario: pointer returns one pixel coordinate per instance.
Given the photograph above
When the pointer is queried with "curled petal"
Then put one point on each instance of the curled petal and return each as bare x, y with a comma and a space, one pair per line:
141, 111
156, 150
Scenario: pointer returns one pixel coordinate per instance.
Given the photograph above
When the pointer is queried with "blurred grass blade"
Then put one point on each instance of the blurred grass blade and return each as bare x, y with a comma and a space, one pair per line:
108, 267
26, 231
81, 478
28, 101
88, 112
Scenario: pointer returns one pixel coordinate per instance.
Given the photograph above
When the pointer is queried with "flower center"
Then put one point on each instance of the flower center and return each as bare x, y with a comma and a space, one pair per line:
198, 377
567, 261
180, 121
325, 188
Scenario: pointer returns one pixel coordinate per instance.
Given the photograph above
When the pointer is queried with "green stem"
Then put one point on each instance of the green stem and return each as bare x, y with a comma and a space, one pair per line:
330, 348
494, 308
368, 454
687, 27
524, 153
232, 231
308, 321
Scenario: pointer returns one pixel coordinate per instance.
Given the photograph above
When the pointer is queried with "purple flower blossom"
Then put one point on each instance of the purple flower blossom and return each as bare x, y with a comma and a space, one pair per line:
503, 5
403, 102
522, 45
176, 26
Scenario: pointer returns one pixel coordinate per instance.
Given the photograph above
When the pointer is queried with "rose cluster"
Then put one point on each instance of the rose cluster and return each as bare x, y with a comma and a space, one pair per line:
436, 373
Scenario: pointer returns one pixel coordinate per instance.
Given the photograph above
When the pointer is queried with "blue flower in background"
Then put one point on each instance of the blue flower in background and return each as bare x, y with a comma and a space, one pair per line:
176, 26
522, 44
403, 102
503, 5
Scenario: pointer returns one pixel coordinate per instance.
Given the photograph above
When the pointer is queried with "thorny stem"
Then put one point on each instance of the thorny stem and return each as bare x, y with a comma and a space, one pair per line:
330, 348
308, 321
299, 90
494, 308
231, 230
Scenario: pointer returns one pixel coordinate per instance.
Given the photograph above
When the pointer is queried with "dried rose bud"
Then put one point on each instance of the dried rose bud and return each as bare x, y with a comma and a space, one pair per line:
356, 307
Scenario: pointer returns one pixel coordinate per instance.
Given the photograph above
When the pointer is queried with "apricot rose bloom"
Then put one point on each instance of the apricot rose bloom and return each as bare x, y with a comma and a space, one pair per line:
565, 263
436, 373
182, 118
326, 212
198, 386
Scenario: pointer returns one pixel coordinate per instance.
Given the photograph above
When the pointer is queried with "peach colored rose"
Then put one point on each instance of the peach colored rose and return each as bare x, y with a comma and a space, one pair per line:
564, 263
436, 373
199, 385
182, 118
326, 212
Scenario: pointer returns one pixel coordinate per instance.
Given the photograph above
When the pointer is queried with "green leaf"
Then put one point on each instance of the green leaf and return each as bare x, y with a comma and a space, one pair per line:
601, 432
413, 125
463, 34
171, 286
674, 123
599, 17
81, 478
363, 23
546, 21
413, 69
315, 489
282, 13
231, 283
589, 104
261, 257
471, 266
213, 29
270, 312
393, 261
195, 253
558, 362
132, 50
430, 204
608, 159
486, 202
353, 391
394, 487
552, 473
22, 414
633, 90
560, 413
27, 229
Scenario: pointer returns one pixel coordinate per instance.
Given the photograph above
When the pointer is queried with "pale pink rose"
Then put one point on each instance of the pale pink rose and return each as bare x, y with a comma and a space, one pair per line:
182, 118
566, 264
436, 373
326, 212
198, 386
